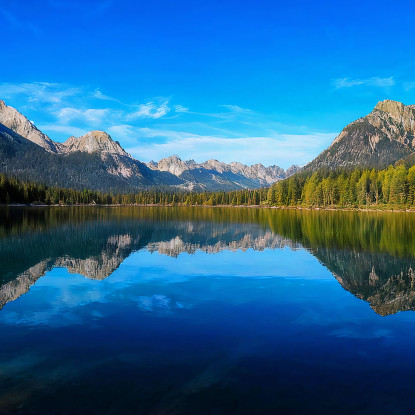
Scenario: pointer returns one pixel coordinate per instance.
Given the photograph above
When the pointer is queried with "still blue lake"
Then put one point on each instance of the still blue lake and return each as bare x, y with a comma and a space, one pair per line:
146, 310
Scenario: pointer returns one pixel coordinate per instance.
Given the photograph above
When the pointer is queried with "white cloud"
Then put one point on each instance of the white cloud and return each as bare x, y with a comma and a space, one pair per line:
374, 81
68, 130
41, 92
280, 149
158, 128
149, 110
99, 95
235, 108
89, 115
180, 108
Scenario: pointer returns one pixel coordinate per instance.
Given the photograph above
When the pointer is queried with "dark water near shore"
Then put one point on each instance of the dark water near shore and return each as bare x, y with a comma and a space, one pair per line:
152, 310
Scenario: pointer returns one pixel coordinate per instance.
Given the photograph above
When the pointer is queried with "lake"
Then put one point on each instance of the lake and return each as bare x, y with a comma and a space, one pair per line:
165, 310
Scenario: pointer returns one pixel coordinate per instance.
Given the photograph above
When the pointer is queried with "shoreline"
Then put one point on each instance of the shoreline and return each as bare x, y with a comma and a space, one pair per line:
331, 209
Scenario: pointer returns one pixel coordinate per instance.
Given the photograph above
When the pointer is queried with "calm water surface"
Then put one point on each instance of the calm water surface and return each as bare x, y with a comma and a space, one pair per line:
207, 311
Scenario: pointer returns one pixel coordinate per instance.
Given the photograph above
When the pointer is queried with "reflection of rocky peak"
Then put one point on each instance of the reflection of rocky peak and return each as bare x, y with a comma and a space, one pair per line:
103, 265
176, 246
21, 285
98, 240
96, 267
387, 283
395, 294
118, 247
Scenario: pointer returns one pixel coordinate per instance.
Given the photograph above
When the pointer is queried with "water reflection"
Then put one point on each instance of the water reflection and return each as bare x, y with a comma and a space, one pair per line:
370, 254
205, 310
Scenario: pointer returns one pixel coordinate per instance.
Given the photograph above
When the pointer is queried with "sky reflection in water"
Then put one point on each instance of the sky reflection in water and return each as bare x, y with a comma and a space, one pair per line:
245, 331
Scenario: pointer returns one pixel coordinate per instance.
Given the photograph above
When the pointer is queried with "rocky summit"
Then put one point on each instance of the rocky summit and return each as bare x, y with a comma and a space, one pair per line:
213, 173
95, 141
382, 137
13, 120
96, 161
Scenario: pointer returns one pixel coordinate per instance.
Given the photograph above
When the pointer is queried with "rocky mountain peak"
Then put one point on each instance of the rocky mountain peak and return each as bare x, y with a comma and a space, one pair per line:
213, 164
111, 167
400, 113
216, 174
390, 106
95, 141
174, 165
382, 137
17, 122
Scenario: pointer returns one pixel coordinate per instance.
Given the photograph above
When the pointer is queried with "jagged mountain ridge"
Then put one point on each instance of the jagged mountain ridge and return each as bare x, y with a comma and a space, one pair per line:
256, 175
379, 139
95, 161
17, 122
99, 171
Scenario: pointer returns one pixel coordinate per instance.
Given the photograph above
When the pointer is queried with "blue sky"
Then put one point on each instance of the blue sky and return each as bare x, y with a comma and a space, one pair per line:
264, 81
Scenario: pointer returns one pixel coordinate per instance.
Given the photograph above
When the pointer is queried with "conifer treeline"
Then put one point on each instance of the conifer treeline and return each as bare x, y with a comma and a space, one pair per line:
391, 187
13, 190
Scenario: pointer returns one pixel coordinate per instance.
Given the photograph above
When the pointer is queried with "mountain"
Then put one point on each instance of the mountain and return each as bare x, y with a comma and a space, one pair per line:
13, 120
95, 141
215, 175
77, 169
95, 161
379, 139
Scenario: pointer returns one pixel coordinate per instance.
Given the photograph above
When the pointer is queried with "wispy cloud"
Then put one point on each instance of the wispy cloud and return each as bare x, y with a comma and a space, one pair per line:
180, 108
281, 149
158, 127
235, 108
41, 92
89, 115
149, 110
373, 81
82, 103
68, 130
99, 95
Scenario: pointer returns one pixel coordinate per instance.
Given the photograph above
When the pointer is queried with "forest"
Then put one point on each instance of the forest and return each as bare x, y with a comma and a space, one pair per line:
390, 187
393, 187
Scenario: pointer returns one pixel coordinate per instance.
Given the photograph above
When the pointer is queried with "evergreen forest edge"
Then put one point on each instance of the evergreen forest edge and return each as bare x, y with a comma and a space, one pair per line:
392, 188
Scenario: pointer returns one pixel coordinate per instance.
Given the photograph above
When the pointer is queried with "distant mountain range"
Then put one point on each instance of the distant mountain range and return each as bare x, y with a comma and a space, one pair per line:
379, 139
225, 176
96, 161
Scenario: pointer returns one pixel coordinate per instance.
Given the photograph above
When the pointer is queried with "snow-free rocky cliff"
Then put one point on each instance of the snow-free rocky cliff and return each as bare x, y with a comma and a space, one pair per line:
256, 175
96, 161
382, 137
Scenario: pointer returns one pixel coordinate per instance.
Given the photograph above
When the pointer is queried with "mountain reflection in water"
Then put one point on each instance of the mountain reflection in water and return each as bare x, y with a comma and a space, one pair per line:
370, 254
